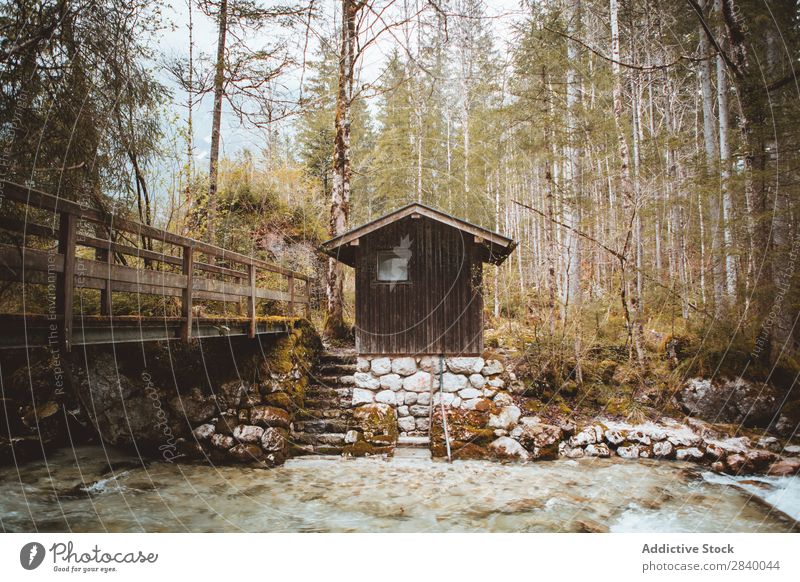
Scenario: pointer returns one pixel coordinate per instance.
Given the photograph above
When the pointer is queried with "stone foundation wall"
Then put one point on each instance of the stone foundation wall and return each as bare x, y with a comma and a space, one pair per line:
225, 400
409, 385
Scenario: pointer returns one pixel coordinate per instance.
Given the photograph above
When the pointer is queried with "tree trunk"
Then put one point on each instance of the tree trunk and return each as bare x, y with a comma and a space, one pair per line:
340, 189
219, 91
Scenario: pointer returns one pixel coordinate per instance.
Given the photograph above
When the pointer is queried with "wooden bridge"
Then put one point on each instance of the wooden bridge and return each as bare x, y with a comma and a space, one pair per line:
59, 256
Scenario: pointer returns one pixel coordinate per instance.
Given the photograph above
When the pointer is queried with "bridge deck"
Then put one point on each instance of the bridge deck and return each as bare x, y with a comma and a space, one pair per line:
19, 331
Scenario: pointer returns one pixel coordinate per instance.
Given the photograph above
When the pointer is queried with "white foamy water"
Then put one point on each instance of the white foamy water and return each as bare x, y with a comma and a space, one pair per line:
78, 491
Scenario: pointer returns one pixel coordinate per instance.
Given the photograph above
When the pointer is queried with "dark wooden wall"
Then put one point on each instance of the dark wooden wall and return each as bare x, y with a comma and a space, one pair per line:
440, 309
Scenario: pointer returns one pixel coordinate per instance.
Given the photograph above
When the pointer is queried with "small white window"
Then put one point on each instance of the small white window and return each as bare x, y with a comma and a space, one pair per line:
392, 266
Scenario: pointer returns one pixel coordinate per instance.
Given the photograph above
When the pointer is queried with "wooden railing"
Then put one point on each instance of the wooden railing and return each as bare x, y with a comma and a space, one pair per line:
236, 274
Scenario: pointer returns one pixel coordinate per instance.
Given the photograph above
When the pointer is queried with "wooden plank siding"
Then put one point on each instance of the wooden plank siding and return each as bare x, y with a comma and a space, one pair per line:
439, 310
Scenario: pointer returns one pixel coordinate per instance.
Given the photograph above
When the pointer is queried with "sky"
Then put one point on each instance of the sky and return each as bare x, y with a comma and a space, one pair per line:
174, 43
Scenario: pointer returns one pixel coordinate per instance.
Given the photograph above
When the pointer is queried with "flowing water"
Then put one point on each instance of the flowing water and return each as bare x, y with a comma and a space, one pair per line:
96, 489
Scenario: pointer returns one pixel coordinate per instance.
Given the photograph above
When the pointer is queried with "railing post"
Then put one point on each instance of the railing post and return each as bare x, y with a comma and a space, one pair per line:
307, 288
105, 256
65, 283
186, 304
251, 300
291, 295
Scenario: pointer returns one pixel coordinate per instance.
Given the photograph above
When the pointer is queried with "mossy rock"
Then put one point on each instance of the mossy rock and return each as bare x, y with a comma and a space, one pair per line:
279, 400
377, 423
462, 425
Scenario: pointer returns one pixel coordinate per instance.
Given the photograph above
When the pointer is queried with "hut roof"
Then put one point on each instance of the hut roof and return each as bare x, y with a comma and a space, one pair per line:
496, 247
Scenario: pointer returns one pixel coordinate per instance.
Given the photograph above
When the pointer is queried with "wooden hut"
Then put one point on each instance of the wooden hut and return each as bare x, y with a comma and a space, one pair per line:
419, 274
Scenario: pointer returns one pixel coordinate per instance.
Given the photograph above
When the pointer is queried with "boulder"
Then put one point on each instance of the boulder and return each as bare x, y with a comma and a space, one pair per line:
663, 449
631, 452
784, 468
758, 460
541, 440
404, 366
597, 450
465, 365
221, 441
507, 448
588, 436
614, 437
377, 422
246, 433
273, 440
506, 419
246, 453
689, 454
503, 399
418, 382
226, 423
269, 416
391, 382
735, 401
381, 366
203, 432
194, 406
735, 463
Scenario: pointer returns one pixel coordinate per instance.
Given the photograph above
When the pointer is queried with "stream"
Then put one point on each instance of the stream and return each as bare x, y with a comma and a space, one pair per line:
101, 489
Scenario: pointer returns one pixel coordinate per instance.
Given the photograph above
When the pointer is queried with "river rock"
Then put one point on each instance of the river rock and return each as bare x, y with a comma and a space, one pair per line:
507, 448
770, 443
785, 468
663, 449
758, 460
362, 396
506, 419
689, 454
391, 382
735, 463
614, 437
453, 382
588, 436
194, 406
542, 440
222, 441
269, 416
465, 365
203, 432
273, 441
351, 436
366, 381
418, 382
245, 433
246, 453
404, 366
381, 366
630, 452
597, 450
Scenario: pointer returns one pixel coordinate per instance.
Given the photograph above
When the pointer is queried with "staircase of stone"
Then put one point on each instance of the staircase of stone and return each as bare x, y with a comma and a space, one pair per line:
413, 447
320, 427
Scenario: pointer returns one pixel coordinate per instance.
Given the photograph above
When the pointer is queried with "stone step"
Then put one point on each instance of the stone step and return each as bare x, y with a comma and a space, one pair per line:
328, 450
410, 441
336, 380
316, 391
326, 403
336, 369
343, 357
320, 414
317, 439
414, 453
335, 425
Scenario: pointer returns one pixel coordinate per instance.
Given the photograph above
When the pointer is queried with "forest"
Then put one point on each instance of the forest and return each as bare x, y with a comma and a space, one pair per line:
643, 154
